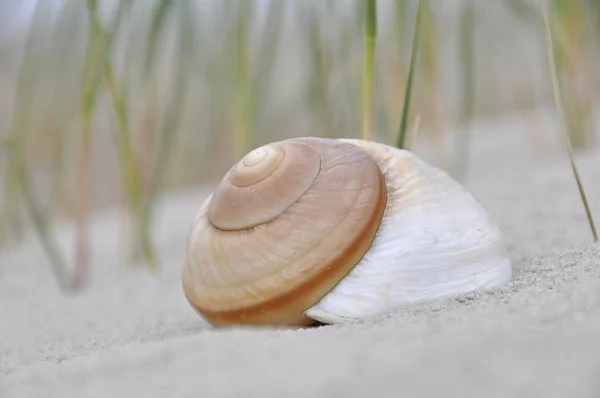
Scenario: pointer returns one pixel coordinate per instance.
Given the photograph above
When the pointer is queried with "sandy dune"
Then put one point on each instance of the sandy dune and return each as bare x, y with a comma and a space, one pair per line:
133, 334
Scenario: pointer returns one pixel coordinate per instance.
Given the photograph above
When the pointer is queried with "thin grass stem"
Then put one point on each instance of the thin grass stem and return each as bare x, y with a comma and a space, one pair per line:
467, 77
413, 59
158, 22
263, 75
40, 221
370, 36
17, 177
410, 142
557, 99
170, 124
28, 77
317, 87
131, 176
243, 117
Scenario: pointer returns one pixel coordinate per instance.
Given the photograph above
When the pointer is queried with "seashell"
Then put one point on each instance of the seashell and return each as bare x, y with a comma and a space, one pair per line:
334, 230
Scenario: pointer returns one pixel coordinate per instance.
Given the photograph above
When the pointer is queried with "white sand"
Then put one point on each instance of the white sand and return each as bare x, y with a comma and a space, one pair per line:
133, 334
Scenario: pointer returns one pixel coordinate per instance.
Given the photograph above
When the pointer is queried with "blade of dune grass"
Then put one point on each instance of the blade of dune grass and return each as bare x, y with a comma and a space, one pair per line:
97, 51
409, 80
148, 129
67, 56
158, 22
17, 175
254, 61
170, 123
4, 142
594, 8
370, 41
396, 81
43, 228
269, 44
570, 59
467, 71
522, 9
89, 86
22, 115
431, 67
219, 65
571, 65
321, 61
84, 175
131, 177
410, 141
558, 102
319, 64
243, 129
350, 97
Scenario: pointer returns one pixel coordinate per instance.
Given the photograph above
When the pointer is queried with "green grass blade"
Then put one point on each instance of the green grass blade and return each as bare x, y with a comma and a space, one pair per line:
322, 64
269, 44
170, 124
66, 53
370, 41
98, 52
413, 58
27, 81
244, 129
569, 49
559, 108
17, 177
42, 228
522, 9
467, 72
89, 88
131, 176
41, 224
159, 17
319, 65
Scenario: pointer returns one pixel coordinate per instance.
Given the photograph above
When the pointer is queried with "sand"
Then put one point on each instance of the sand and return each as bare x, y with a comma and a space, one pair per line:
133, 334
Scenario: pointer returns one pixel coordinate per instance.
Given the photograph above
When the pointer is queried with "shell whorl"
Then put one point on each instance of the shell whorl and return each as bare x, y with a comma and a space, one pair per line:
284, 226
263, 185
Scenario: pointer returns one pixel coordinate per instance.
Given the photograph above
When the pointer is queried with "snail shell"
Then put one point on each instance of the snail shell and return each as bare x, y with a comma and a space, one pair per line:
330, 230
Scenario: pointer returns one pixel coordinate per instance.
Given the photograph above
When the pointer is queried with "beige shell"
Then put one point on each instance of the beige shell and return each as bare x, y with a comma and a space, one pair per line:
319, 229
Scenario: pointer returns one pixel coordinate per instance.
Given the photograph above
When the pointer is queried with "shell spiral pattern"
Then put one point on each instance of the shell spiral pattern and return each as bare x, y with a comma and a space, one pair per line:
285, 224
331, 230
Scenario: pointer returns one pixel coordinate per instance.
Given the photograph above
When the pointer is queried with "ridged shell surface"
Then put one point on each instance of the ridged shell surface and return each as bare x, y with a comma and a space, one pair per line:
435, 241
283, 227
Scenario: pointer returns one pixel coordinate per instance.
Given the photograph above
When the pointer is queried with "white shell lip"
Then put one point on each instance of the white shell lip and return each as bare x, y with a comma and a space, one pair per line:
436, 241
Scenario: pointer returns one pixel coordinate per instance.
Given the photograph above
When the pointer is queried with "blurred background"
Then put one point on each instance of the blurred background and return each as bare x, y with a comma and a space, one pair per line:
115, 102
